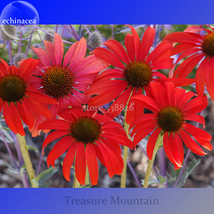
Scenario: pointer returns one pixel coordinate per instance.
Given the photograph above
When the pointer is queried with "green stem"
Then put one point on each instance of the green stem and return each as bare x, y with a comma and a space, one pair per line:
87, 181
28, 163
125, 150
76, 183
150, 163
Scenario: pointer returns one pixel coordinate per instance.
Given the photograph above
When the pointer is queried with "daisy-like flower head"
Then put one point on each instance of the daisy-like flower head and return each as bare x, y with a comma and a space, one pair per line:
64, 78
134, 69
18, 99
196, 44
86, 136
171, 109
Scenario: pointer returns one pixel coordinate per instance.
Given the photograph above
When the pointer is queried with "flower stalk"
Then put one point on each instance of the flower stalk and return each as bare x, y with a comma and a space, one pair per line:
125, 149
28, 163
150, 163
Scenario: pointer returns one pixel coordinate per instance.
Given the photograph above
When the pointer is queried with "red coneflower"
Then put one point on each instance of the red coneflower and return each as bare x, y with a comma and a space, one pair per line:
134, 70
65, 78
86, 136
171, 108
199, 49
19, 100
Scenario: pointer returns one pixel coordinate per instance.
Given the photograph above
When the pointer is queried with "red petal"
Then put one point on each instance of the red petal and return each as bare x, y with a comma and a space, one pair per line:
59, 49
183, 47
27, 67
59, 148
42, 98
119, 104
79, 53
147, 102
147, 41
80, 164
160, 50
117, 49
54, 124
168, 150
130, 47
191, 144
195, 105
108, 96
51, 50
194, 131
201, 76
4, 67
206, 144
108, 56
136, 41
70, 54
53, 136
92, 163
12, 118
196, 118
26, 114
178, 147
38, 108
210, 77
151, 142
143, 133
68, 161
43, 56
182, 37
184, 69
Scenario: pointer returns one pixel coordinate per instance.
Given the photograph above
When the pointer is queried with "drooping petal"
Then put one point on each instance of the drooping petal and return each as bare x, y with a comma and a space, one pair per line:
80, 163
151, 142
184, 69
12, 118
168, 150
201, 76
92, 163
59, 148
191, 144
53, 136
195, 105
194, 131
210, 77
68, 161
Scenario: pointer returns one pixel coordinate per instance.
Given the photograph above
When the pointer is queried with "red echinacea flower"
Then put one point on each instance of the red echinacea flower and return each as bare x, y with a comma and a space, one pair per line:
19, 100
133, 70
65, 78
198, 48
86, 136
171, 109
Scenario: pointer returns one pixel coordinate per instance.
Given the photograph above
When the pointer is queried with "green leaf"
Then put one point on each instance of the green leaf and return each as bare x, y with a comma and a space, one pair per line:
45, 176
162, 179
32, 148
151, 181
188, 172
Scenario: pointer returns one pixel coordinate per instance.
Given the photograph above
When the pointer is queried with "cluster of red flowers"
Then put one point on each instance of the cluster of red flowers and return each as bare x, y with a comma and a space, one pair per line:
53, 93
